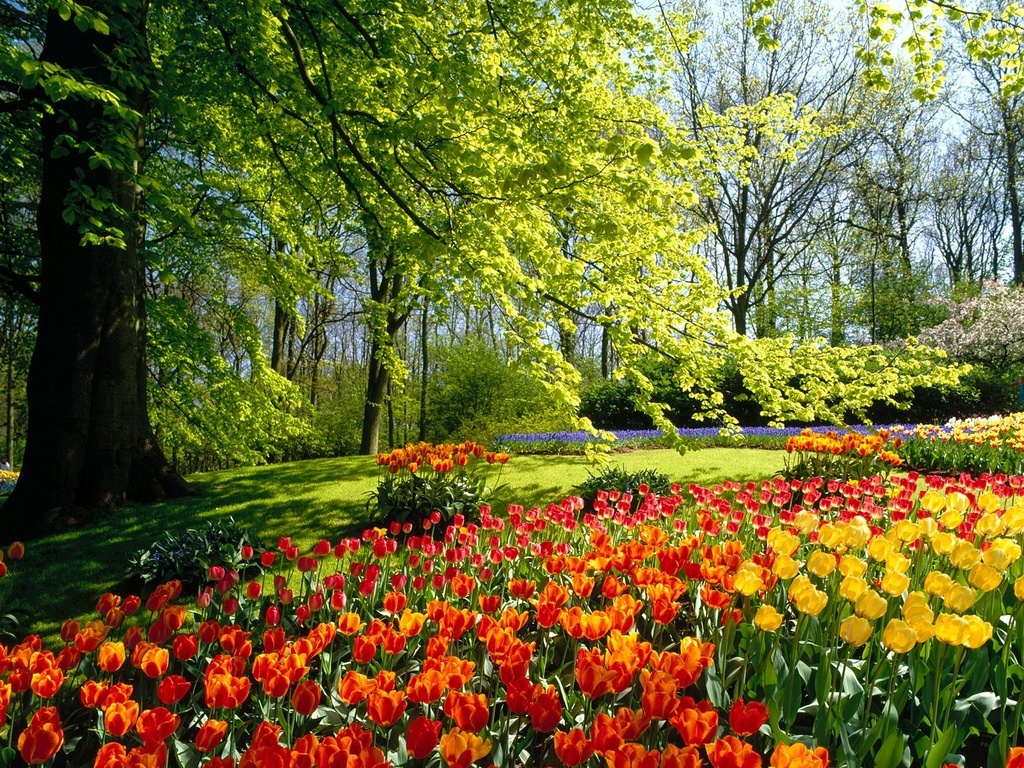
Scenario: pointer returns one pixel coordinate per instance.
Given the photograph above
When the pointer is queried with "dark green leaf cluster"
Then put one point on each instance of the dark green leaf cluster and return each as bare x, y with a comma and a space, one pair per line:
413, 499
622, 480
187, 555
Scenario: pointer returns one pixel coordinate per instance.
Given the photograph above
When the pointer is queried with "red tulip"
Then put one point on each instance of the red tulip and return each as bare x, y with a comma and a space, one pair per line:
422, 737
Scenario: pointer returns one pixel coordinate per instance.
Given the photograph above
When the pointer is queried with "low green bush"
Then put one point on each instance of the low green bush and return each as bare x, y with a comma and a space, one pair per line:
623, 481
428, 486
187, 555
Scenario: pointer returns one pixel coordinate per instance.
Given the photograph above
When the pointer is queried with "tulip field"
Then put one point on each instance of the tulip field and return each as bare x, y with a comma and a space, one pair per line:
803, 622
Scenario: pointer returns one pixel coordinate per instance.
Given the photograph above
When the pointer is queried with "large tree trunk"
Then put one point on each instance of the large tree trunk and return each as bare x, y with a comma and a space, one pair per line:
89, 441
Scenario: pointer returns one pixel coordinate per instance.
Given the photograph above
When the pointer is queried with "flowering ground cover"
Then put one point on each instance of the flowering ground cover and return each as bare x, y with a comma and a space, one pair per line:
696, 437
783, 622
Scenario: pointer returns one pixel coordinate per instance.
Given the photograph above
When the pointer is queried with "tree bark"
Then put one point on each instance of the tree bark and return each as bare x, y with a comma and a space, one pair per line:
89, 440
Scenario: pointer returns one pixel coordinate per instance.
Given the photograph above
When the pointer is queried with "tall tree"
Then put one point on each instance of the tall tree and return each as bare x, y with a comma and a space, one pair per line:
776, 120
89, 439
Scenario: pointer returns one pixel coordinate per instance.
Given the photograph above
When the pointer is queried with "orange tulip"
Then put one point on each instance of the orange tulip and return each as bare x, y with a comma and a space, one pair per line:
659, 694
44, 736
385, 708
156, 725
798, 755
459, 749
593, 679
354, 687
47, 682
573, 747
632, 755
211, 734
680, 757
410, 624
545, 710
120, 716
111, 657
306, 697
697, 724
470, 711
730, 752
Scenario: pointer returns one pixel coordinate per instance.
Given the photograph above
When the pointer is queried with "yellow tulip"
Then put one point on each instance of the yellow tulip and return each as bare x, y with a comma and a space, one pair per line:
857, 533
979, 632
831, 536
916, 608
988, 502
965, 555
989, 525
852, 566
959, 598
984, 577
871, 605
943, 542
933, 501
929, 527
880, 548
1002, 554
951, 519
923, 630
852, 587
937, 583
805, 522
821, 564
783, 542
747, 581
798, 586
767, 619
957, 502
1018, 588
855, 630
895, 583
1013, 518
907, 531
898, 562
898, 636
785, 567
812, 601
951, 629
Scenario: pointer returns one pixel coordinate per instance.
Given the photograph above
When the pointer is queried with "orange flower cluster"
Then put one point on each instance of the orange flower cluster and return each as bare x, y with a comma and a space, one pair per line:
848, 444
440, 458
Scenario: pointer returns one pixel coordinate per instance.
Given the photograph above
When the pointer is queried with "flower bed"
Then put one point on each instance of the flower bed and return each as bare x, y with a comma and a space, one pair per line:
697, 437
994, 444
865, 623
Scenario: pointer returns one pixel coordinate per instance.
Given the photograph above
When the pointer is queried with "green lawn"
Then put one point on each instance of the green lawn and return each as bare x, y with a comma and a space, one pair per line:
64, 575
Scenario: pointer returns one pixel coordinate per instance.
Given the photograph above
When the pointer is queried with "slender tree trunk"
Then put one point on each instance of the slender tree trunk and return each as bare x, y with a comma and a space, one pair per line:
378, 379
89, 441
424, 367
1012, 192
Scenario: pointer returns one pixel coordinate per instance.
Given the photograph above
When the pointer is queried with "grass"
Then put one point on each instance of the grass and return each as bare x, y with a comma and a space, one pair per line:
63, 575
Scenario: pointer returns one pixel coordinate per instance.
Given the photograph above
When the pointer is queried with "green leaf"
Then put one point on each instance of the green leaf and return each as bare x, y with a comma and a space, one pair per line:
890, 754
937, 754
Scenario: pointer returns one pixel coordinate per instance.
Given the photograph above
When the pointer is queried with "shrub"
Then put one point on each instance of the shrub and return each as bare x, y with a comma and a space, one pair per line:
632, 486
475, 395
429, 485
187, 555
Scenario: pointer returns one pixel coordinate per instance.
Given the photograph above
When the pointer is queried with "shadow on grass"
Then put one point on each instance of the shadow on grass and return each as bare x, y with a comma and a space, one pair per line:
324, 498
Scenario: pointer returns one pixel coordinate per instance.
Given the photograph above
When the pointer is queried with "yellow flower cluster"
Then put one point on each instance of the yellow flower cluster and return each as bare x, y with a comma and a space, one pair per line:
912, 580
